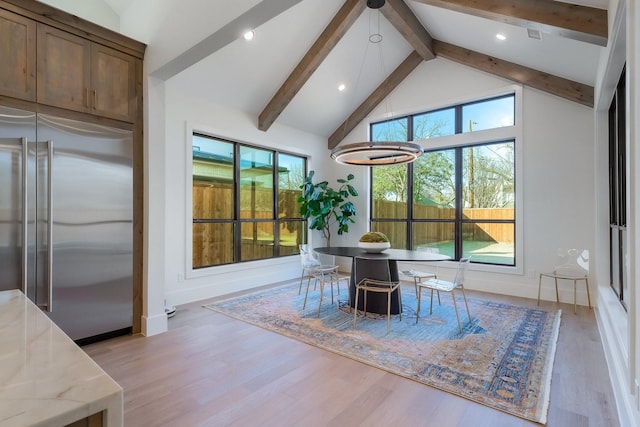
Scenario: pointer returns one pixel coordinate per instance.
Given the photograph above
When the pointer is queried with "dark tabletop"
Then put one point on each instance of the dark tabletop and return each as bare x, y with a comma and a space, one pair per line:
390, 254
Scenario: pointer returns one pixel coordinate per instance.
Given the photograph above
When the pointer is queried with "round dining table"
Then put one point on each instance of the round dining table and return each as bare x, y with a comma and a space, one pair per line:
379, 266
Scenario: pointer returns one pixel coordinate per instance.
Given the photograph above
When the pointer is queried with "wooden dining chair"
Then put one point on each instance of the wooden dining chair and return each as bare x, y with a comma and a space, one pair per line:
365, 285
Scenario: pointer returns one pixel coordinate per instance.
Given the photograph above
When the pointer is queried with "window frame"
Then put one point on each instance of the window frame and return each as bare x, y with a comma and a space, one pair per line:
476, 138
237, 221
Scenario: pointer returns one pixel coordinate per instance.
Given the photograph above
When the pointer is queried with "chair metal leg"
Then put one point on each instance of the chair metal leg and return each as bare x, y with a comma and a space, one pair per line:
306, 293
539, 287
388, 312
399, 302
355, 310
431, 305
464, 295
557, 296
575, 295
301, 277
331, 290
455, 305
365, 304
418, 309
586, 284
321, 293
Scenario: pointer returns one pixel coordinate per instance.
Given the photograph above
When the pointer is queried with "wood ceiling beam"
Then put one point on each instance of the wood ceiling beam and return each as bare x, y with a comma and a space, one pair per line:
568, 89
583, 23
329, 38
407, 24
386, 87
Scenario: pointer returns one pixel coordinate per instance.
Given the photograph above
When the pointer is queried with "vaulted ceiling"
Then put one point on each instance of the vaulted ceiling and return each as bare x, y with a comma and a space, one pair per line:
290, 72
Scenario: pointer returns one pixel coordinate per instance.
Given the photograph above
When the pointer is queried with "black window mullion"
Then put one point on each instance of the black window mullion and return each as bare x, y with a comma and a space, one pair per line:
237, 234
459, 201
409, 227
276, 198
458, 126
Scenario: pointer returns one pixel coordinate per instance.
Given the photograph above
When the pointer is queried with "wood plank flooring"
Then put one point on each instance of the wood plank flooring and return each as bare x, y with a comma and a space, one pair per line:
211, 370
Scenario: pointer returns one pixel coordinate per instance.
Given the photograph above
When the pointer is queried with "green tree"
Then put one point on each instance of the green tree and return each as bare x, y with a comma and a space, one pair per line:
489, 176
433, 172
326, 206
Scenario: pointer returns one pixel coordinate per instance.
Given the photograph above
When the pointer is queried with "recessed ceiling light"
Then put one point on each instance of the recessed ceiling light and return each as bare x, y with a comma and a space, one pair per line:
501, 36
341, 87
249, 35
534, 34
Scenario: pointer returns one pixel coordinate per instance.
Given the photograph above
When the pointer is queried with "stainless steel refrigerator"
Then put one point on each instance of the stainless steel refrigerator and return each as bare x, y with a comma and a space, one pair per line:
66, 220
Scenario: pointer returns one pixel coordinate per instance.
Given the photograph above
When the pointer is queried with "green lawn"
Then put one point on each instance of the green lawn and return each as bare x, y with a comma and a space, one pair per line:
486, 252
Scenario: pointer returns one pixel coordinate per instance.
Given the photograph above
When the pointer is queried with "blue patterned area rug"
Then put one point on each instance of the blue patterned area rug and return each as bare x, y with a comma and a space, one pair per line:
502, 359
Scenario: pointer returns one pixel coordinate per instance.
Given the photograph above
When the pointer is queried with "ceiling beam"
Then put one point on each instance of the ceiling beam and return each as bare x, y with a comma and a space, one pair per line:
329, 38
253, 18
405, 21
583, 23
386, 87
568, 89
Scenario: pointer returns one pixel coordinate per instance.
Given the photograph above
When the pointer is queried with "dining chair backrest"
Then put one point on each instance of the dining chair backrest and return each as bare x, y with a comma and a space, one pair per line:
377, 269
307, 256
572, 263
326, 259
463, 264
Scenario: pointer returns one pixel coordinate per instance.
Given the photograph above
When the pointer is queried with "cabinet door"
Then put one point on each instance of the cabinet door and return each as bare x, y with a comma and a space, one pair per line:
113, 83
18, 56
64, 65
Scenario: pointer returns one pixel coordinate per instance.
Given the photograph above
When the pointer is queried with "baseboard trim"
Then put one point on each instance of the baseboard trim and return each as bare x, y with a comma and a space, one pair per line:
154, 324
608, 315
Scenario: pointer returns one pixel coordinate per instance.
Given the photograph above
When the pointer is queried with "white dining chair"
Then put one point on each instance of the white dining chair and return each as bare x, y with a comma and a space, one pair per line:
447, 286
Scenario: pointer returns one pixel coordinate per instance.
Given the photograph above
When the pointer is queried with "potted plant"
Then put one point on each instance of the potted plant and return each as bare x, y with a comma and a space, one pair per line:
374, 241
326, 206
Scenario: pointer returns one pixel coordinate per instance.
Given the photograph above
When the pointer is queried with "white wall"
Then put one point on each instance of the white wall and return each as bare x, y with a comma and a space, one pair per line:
184, 114
96, 11
557, 173
619, 328
558, 191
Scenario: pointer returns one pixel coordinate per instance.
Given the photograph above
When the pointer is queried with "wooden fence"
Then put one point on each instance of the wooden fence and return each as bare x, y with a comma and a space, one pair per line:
213, 242
443, 231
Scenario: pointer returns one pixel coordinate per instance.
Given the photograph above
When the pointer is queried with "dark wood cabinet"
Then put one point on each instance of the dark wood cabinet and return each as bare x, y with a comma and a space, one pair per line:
54, 62
64, 69
113, 83
18, 56
81, 75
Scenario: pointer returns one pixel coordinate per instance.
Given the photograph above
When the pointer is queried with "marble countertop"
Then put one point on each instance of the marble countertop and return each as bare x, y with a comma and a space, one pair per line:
45, 378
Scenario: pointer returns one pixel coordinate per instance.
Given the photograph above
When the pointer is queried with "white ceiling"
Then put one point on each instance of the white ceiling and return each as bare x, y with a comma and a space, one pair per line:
246, 75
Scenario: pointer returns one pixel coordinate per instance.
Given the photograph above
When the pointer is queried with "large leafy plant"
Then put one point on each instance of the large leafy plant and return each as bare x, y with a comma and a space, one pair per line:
326, 206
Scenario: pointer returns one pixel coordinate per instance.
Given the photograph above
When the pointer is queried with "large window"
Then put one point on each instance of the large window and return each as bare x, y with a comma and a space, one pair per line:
244, 202
460, 200
618, 236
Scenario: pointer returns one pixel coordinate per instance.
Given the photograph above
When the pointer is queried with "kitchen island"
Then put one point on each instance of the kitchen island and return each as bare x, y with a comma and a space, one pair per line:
45, 378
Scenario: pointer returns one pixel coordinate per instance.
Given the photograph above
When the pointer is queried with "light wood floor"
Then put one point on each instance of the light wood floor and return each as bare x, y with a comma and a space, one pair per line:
211, 370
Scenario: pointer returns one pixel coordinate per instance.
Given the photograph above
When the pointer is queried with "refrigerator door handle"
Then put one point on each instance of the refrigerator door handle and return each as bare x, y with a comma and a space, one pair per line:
25, 214
49, 307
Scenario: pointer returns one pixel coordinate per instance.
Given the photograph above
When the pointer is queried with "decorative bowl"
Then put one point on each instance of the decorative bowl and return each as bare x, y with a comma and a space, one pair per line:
374, 246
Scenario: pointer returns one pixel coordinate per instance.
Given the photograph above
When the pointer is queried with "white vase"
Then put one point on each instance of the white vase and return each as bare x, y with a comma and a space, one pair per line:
374, 246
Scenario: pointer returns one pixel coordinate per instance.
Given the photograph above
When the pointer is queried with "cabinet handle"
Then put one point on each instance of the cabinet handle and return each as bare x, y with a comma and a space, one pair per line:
95, 99
25, 215
86, 98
